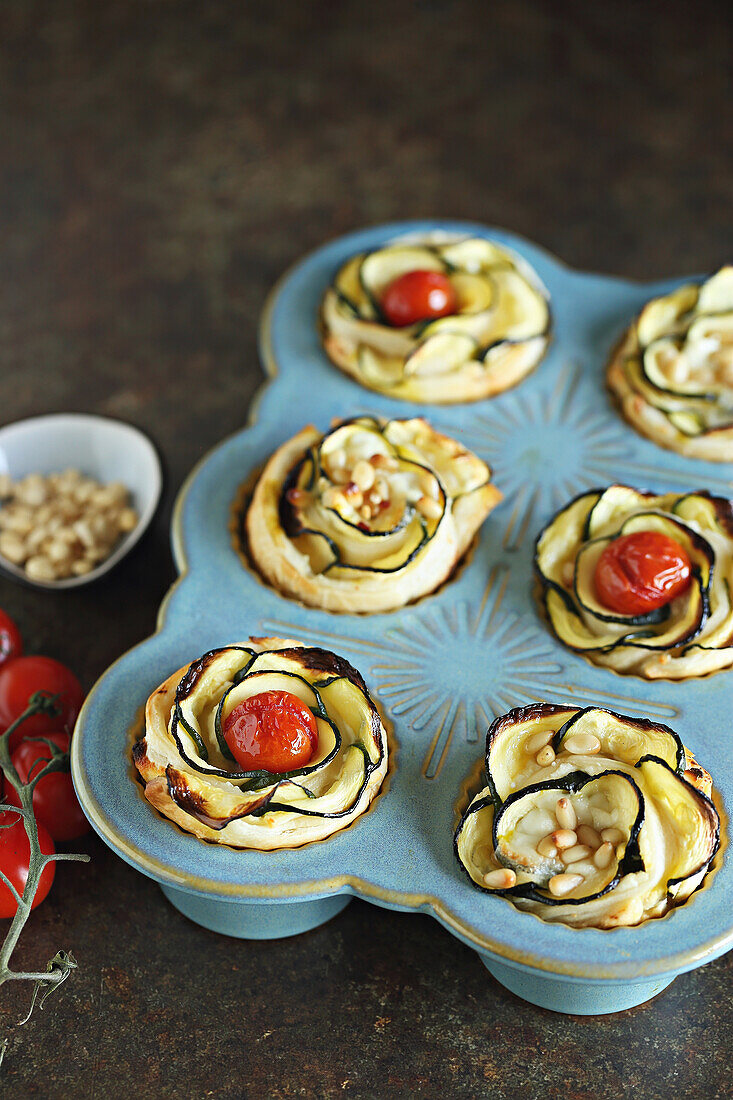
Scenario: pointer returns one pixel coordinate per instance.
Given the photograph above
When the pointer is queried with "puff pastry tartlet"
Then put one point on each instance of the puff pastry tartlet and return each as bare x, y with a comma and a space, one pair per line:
672, 632
191, 776
367, 517
673, 370
588, 817
492, 332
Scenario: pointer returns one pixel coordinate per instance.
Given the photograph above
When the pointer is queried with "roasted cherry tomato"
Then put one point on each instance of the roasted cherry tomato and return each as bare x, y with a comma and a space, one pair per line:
273, 732
14, 859
11, 643
641, 572
23, 676
418, 296
54, 800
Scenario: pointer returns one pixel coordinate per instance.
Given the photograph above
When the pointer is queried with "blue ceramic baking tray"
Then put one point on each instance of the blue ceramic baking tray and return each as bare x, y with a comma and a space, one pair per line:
441, 669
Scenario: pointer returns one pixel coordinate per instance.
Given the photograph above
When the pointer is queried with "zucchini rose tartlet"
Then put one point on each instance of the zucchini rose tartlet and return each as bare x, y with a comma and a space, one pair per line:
367, 517
673, 370
588, 817
269, 744
436, 322
641, 583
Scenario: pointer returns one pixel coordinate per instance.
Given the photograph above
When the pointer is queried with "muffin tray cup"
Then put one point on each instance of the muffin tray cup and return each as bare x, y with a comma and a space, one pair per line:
440, 669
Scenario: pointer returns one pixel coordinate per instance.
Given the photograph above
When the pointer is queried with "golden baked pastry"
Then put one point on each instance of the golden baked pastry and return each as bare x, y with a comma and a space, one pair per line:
688, 630
673, 370
588, 817
192, 776
367, 517
490, 331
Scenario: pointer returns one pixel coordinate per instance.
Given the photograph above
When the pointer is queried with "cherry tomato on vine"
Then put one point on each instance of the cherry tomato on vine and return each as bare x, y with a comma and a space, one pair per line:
11, 643
641, 572
14, 859
273, 731
54, 800
418, 296
23, 676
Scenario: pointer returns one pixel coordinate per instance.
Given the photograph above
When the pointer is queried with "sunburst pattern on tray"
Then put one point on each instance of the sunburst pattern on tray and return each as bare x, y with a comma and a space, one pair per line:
424, 669
545, 449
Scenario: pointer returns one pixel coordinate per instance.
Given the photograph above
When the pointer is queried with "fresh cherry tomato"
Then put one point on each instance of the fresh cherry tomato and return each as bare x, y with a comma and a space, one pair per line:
11, 643
14, 859
23, 676
641, 572
273, 731
54, 800
418, 296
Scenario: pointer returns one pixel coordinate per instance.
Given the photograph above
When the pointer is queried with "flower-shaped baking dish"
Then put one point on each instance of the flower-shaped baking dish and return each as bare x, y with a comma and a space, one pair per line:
440, 668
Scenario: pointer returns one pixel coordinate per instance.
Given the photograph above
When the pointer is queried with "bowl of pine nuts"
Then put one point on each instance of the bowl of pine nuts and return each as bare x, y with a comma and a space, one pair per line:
77, 492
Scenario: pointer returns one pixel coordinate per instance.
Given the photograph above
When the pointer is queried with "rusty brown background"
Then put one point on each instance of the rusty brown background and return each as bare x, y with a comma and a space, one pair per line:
161, 163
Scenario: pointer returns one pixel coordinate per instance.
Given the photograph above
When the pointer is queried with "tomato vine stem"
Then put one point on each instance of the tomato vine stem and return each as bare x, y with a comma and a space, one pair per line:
60, 966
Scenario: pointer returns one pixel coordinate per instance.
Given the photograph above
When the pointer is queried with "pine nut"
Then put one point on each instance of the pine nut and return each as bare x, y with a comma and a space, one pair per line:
127, 519
429, 485
382, 488
576, 853
588, 835
13, 548
429, 508
581, 744
384, 462
365, 511
565, 813
603, 856
538, 741
81, 567
560, 885
547, 847
502, 879
563, 838
613, 836
363, 475
39, 568
545, 756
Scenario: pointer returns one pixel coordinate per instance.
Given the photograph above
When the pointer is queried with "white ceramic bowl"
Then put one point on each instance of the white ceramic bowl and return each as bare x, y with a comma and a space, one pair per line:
107, 450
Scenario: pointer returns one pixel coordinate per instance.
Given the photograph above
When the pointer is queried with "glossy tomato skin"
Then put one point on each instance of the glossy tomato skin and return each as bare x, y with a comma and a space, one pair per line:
273, 731
641, 572
20, 678
54, 800
11, 643
14, 857
418, 296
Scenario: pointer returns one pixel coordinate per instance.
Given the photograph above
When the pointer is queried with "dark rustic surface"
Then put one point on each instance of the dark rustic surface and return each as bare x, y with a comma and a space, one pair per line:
161, 163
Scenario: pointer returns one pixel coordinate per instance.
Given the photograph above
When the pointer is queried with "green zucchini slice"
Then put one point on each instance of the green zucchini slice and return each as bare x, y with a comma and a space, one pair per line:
690, 820
474, 254
529, 815
623, 738
441, 353
380, 268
